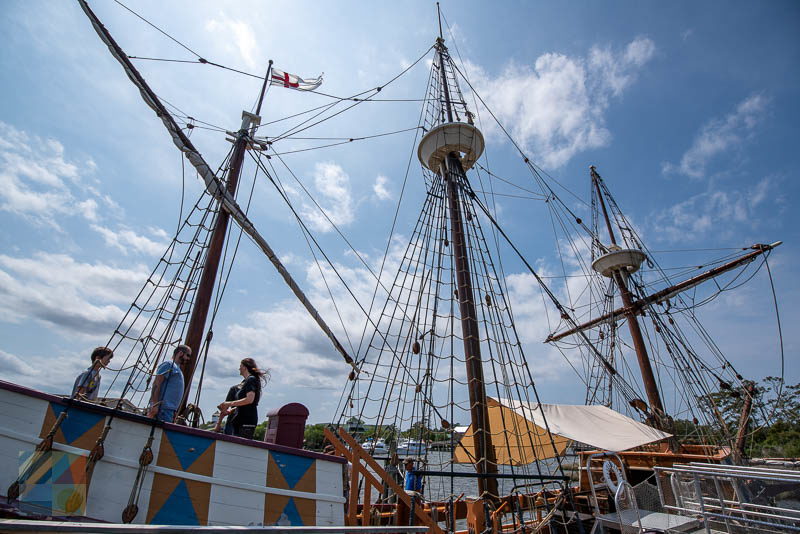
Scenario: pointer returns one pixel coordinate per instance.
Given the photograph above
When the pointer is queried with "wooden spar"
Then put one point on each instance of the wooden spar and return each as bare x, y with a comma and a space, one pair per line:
645, 367
453, 173
667, 293
744, 421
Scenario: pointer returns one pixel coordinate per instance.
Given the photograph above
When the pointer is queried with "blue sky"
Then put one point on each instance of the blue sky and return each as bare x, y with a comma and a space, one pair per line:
688, 110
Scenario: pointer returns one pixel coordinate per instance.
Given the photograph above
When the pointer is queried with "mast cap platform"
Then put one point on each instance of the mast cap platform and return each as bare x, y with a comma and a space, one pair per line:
459, 137
626, 260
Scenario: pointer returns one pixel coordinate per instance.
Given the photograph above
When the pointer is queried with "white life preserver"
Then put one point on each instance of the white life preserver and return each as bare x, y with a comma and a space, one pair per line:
610, 469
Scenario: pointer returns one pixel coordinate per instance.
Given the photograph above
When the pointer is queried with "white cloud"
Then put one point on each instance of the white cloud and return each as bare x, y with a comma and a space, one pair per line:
14, 365
126, 240
57, 290
88, 208
52, 373
379, 188
556, 107
333, 187
286, 338
236, 35
716, 211
718, 136
37, 182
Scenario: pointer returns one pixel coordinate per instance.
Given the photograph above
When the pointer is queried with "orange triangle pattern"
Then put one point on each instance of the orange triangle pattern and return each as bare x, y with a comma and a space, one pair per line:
283, 510
273, 508
275, 478
168, 457
289, 511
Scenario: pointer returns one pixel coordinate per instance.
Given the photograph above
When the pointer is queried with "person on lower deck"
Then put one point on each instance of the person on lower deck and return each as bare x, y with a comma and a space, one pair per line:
87, 385
244, 406
411, 481
167, 391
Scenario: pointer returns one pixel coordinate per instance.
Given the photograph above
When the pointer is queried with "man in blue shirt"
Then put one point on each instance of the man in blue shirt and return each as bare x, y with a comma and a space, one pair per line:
167, 391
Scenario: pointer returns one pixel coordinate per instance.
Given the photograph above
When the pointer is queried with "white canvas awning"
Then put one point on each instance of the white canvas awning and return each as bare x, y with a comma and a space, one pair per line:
519, 435
597, 426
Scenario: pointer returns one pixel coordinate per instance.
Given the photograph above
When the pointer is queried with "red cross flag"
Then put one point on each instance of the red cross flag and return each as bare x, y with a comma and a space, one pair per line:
292, 81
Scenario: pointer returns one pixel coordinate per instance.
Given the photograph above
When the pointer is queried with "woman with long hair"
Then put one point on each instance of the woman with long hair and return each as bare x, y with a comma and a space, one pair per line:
241, 404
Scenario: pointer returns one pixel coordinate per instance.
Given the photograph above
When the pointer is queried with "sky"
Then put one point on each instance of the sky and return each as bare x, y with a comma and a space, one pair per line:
689, 111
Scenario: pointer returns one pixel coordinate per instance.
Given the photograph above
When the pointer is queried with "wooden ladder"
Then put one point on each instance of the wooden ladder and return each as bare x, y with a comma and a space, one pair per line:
346, 446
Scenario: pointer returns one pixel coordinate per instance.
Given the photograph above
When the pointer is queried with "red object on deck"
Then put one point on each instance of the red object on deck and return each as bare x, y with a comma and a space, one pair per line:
286, 425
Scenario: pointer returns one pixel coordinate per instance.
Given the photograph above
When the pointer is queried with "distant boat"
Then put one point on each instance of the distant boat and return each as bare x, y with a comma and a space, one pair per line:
377, 447
410, 447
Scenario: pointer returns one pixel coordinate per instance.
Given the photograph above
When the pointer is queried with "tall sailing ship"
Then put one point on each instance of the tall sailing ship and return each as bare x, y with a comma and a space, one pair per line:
441, 349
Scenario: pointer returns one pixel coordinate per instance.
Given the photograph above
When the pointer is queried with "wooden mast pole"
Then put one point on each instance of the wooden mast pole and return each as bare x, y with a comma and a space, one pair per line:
646, 369
205, 288
453, 173
744, 422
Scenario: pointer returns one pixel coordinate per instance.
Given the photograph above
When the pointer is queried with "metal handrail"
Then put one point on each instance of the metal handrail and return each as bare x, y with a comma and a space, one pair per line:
725, 518
720, 508
744, 476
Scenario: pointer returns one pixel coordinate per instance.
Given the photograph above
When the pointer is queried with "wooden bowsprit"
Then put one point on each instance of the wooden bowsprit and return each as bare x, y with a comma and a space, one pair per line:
359, 459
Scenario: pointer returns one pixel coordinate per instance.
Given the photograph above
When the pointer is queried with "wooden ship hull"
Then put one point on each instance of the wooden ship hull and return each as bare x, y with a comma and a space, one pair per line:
195, 477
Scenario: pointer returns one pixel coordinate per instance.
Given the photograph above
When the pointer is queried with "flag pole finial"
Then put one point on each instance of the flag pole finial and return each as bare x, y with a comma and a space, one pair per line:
264, 88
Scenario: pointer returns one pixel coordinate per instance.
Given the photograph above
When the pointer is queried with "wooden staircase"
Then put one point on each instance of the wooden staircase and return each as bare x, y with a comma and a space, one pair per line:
408, 509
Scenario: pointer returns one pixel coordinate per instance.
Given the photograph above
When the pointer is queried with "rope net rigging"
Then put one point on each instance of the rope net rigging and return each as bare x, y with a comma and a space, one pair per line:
412, 388
157, 318
690, 367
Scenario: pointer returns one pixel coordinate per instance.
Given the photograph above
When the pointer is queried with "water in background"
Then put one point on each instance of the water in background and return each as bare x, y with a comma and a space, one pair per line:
441, 488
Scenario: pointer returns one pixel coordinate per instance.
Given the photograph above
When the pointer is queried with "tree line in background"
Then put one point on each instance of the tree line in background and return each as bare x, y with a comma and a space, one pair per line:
774, 426
773, 432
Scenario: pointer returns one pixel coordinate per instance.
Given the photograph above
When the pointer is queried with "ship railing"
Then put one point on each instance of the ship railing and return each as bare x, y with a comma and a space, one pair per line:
733, 498
21, 526
629, 517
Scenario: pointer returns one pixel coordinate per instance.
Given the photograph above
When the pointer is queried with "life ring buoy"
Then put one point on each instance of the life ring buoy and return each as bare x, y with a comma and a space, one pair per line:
612, 476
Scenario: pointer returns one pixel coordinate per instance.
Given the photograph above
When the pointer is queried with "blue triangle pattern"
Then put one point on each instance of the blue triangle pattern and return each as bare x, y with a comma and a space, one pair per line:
76, 423
292, 514
177, 509
187, 447
292, 467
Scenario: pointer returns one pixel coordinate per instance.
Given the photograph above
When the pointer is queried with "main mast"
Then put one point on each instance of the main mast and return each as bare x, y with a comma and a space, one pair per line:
441, 151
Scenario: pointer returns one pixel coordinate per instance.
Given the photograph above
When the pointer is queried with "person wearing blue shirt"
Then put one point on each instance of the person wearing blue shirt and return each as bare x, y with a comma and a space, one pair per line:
167, 391
412, 481
87, 385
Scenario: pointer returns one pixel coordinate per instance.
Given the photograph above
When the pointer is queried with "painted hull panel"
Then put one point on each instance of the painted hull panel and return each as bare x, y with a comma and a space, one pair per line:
195, 478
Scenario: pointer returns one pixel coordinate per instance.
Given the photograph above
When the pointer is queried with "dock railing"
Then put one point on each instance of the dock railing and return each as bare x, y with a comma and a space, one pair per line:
733, 498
